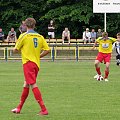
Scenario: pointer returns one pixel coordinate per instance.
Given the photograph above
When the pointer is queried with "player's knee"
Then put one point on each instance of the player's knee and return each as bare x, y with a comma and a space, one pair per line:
96, 63
26, 85
107, 67
33, 85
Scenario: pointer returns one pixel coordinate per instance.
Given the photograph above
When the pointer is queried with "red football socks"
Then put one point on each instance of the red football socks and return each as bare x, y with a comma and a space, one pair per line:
106, 74
24, 96
98, 70
38, 97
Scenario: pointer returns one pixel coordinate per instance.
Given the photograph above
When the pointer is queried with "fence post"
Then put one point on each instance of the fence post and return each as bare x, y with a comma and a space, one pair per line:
53, 54
6, 54
76, 52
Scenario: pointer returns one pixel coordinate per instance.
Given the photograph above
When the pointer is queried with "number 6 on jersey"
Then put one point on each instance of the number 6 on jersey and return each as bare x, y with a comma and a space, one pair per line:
35, 40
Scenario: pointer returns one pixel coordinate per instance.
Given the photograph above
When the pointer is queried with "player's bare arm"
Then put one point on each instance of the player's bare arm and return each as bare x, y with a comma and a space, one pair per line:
94, 45
44, 53
15, 50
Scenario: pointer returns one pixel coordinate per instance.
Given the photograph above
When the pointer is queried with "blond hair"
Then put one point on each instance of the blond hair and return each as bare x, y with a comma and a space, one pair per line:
30, 22
104, 34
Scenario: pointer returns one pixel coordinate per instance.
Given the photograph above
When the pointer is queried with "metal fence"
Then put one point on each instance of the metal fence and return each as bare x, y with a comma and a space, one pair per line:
58, 52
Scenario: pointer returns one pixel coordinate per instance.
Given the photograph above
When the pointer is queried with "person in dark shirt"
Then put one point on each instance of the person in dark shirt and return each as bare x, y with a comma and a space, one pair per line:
99, 33
51, 30
1, 35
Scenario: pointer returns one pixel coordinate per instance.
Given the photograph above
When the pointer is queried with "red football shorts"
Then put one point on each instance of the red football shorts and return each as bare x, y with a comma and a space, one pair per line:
106, 57
30, 72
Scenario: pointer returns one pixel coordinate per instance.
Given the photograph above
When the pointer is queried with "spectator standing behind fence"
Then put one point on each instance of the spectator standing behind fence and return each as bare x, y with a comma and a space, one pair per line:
51, 30
23, 27
86, 36
11, 36
93, 35
66, 36
99, 33
1, 35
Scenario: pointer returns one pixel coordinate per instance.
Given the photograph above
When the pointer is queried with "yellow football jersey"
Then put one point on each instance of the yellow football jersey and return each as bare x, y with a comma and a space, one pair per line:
105, 46
30, 44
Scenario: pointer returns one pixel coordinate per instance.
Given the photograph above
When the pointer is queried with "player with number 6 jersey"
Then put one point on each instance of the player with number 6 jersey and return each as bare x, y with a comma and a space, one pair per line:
33, 47
31, 50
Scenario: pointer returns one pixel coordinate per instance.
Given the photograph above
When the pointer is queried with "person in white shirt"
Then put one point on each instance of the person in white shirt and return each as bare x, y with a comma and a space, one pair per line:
86, 36
11, 36
66, 36
116, 46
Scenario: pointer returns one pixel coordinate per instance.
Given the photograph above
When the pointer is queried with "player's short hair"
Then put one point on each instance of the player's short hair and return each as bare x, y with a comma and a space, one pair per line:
30, 22
118, 34
104, 34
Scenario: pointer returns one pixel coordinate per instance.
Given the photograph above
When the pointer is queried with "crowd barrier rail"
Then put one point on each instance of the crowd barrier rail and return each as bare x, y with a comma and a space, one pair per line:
68, 51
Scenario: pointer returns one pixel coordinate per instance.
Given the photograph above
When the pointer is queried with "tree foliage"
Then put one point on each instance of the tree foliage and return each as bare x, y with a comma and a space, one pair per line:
74, 14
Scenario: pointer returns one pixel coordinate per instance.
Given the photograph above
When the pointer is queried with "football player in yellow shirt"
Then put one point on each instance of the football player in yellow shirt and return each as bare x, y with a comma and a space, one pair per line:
30, 44
104, 54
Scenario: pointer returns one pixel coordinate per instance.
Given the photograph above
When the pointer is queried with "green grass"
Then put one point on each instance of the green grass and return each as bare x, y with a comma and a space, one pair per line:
69, 92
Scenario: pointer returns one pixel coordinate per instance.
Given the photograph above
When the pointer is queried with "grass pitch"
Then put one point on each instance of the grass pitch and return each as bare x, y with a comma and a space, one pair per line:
68, 89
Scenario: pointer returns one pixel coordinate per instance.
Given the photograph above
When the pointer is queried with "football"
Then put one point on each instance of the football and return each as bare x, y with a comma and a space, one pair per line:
99, 78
